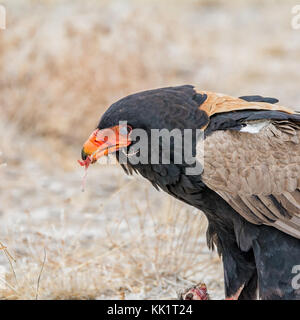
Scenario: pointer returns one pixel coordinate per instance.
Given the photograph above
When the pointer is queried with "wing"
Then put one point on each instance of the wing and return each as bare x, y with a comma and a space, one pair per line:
219, 103
254, 163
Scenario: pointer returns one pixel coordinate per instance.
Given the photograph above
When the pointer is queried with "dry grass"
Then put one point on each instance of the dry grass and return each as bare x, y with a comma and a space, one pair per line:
62, 63
140, 251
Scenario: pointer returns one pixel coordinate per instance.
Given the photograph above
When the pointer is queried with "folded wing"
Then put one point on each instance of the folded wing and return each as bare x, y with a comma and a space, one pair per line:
255, 166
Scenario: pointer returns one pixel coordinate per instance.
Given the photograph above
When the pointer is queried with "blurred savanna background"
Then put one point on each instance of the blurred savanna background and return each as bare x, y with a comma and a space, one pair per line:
62, 64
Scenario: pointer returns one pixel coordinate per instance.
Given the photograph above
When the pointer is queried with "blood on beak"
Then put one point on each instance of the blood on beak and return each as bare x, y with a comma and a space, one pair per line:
102, 142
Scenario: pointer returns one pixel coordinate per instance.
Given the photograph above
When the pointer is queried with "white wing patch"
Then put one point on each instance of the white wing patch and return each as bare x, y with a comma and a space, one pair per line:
254, 127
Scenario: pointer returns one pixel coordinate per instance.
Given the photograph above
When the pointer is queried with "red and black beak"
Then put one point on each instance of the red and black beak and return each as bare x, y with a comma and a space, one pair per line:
102, 142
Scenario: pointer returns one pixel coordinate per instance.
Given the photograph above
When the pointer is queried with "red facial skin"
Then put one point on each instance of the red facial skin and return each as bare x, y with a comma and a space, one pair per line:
102, 142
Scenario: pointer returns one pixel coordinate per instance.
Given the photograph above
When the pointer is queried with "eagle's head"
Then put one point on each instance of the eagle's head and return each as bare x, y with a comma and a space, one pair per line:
166, 108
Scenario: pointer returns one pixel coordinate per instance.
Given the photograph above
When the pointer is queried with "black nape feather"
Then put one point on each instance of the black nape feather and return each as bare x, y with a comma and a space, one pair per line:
199, 98
257, 98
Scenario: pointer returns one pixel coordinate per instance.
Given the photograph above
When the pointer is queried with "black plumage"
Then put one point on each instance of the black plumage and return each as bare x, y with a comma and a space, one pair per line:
256, 98
255, 256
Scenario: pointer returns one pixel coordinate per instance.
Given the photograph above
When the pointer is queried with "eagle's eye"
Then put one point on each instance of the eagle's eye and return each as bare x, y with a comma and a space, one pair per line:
125, 130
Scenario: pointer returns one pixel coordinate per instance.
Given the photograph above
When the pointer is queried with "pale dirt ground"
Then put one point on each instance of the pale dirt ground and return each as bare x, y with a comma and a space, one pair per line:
62, 63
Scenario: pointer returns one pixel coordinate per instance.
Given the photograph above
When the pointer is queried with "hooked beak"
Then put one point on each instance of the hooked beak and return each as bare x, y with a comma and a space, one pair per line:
102, 142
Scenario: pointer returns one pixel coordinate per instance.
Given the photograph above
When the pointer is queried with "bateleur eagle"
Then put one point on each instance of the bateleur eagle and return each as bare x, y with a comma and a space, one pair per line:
249, 188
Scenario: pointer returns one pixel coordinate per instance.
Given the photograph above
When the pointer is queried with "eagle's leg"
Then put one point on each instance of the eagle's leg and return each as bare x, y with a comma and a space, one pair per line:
240, 276
237, 295
249, 291
232, 235
277, 256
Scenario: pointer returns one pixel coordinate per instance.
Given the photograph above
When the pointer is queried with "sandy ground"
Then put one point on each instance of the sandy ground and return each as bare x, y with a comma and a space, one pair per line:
118, 239
62, 63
